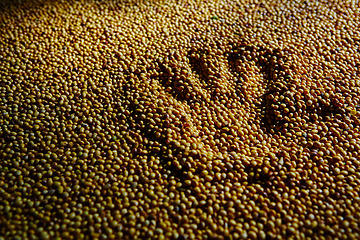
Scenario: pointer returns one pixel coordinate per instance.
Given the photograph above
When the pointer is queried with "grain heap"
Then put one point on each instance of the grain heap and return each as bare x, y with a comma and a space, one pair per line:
179, 120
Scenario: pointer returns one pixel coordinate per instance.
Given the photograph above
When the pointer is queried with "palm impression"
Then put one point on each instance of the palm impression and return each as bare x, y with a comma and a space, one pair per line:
213, 112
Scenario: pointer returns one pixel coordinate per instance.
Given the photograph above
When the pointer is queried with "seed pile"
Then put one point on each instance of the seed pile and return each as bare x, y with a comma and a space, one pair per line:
179, 120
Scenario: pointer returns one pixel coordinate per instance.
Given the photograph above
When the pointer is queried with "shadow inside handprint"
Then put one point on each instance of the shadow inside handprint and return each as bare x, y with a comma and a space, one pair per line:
287, 100
178, 79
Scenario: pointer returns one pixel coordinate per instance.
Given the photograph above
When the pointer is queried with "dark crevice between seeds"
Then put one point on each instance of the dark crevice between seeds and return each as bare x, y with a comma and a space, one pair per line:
266, 61
151, 133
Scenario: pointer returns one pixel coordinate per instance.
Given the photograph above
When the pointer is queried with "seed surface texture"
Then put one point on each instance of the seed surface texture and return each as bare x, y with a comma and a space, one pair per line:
124, 119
